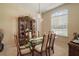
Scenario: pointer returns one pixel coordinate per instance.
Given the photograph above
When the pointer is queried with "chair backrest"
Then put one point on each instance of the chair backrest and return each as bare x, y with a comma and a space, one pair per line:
52, 40
37, 34
44, 42
33, 34
49, 37
27, 37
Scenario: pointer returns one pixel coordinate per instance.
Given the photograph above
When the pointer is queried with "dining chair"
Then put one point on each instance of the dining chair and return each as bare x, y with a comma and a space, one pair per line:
51, 37
42, 47
22, 50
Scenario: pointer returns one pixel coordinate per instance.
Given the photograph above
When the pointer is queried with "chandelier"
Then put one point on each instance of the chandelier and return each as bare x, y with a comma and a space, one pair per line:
39, 12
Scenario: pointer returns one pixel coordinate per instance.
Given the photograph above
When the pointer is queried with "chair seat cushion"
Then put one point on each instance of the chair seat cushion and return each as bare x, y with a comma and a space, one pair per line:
25, 51
22, 47
25, 46
38, 48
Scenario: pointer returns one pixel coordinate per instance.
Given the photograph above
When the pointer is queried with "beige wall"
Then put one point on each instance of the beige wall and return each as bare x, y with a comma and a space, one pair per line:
8, 20
73, 19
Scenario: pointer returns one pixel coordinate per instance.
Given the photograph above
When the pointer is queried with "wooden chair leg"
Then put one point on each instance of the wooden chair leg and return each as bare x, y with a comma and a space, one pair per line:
49, 51
46, 52
17, 54
41, 53
32, 52
52, 50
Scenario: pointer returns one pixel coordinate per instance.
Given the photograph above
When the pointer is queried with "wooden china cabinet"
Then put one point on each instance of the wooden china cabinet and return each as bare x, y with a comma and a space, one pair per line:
25, 25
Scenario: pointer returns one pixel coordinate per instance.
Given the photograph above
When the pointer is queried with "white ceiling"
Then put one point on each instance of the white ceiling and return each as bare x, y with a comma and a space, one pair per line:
43, 6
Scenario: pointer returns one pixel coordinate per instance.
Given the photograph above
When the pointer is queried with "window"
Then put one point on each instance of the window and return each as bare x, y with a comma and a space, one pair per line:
59, 22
